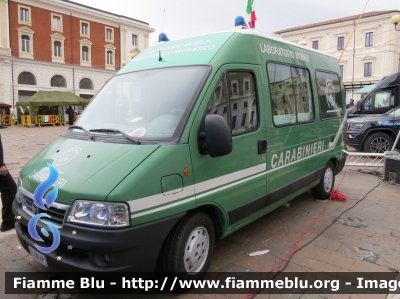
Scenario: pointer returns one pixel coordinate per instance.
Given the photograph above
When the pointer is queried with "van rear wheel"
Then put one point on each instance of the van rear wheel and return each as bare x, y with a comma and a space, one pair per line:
326, 184
189, 247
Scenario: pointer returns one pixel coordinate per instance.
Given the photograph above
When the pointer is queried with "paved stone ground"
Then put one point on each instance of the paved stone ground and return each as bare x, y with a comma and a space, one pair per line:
365, 238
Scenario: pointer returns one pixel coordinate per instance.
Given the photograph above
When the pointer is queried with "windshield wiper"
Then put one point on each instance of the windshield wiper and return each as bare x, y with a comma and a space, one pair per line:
91, 136
116, 131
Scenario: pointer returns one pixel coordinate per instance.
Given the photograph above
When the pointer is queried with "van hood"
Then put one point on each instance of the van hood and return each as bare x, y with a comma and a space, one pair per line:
87, 169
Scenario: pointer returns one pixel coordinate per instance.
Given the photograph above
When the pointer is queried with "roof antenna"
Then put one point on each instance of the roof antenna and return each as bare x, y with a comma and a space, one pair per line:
159, 55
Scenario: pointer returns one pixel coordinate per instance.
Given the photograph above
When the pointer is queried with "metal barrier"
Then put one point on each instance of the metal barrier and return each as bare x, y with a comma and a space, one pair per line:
369, 159
8, 120
25, 120
49, 120
365, 159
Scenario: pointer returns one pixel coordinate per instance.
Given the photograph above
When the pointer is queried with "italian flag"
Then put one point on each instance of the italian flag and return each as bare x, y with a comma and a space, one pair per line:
251, 13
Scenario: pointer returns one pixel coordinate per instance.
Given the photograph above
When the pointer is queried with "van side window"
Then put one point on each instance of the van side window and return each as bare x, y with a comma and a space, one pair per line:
242, 97
217, 104
329, 95
291, 94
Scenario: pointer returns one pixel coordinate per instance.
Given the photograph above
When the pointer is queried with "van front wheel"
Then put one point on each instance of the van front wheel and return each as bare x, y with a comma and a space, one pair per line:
189, 247
325, 185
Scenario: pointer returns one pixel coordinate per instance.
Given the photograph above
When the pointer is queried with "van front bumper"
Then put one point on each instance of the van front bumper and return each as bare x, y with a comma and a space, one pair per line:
131, 249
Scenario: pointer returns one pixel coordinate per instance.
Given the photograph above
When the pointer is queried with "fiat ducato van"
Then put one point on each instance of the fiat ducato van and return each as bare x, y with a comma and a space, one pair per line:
189, 142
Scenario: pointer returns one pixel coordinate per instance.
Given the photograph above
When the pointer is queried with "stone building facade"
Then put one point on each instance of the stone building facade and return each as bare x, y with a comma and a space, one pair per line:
372, 52
62, 45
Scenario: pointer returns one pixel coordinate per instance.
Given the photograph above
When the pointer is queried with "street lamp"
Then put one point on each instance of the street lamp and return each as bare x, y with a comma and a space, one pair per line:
395, 20
132, 56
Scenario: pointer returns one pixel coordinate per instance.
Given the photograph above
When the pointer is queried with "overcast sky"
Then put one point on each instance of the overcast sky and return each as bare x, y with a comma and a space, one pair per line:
184, 18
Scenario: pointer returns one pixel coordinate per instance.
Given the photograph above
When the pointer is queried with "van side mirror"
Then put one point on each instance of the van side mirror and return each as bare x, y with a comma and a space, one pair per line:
215, 136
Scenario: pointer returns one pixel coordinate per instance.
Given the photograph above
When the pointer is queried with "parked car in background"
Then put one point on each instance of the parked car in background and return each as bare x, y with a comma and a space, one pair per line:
384, 97
374, 133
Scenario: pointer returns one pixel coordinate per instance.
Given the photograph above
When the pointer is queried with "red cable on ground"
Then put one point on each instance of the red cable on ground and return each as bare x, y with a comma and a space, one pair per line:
333, 195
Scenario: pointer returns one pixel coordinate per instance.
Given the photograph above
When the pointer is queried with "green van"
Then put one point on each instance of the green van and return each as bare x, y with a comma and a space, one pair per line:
190, 141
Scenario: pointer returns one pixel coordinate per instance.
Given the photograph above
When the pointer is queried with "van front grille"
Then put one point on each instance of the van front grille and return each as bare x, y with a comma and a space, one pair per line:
57, 212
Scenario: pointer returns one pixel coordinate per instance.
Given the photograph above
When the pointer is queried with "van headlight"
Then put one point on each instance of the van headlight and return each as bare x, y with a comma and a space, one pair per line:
356, 126
97, 213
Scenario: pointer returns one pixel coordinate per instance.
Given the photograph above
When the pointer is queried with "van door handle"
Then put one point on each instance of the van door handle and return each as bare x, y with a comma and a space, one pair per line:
262, 146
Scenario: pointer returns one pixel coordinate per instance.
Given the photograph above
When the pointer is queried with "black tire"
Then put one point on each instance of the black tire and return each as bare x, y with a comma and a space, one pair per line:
378, 142
325, 186
186, 250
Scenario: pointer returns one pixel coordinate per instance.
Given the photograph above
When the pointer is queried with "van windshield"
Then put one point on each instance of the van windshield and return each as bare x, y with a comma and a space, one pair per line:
150, 104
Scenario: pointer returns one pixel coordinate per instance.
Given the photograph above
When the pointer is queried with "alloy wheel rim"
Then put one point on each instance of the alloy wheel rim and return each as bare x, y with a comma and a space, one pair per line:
328, 180
196, 250
379, 145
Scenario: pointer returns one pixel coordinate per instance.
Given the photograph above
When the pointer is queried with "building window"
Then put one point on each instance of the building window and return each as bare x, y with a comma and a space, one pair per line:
109, 57
218, 99
86, 83
244, 119
86, 47
239, 106
25, 40
109, 34
341, 70
340, 43
27, 78
24, 15
369, 39
234, 88
57, 49
134, 40
367, 69
56, 24
85, 29
85, 53
58, 81
233, 123
58, 40
315, 44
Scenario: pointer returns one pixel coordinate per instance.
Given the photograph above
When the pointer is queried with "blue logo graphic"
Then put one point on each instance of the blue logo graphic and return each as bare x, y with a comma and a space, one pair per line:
48, 201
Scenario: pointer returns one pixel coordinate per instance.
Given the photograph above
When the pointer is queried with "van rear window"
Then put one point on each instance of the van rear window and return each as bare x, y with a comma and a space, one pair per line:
329, 95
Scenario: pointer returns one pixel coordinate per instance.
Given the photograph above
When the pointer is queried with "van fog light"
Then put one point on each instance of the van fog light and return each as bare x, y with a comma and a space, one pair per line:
99, 213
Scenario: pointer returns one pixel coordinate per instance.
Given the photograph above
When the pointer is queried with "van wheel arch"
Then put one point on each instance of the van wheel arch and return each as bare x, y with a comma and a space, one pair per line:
215, 215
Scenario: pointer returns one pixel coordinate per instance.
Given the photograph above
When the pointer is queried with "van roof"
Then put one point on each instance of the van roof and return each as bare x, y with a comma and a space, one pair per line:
198, 50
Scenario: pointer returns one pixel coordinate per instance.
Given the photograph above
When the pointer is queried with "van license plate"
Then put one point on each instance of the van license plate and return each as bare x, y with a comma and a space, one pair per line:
41, 258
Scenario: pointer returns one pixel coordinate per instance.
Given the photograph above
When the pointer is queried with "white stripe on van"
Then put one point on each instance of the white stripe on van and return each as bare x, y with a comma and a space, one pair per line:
227, 180
159, 199
164, 207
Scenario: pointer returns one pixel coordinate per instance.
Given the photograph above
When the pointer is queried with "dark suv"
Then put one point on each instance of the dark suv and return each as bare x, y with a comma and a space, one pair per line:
374, 133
